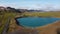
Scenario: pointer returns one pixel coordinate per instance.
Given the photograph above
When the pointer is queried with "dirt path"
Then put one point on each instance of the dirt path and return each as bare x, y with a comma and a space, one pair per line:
6, 27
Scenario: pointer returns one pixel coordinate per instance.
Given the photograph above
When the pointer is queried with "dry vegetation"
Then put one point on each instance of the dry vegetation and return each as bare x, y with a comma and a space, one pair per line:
42, 14
13, 26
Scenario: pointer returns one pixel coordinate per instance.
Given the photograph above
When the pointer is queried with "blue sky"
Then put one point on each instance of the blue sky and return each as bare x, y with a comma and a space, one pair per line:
31, 4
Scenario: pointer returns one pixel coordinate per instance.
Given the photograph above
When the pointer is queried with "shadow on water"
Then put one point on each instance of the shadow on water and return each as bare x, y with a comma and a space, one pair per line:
17, 21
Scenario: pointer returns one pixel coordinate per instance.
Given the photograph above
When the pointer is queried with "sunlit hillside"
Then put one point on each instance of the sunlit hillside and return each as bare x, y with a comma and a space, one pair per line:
7, 17
42, 14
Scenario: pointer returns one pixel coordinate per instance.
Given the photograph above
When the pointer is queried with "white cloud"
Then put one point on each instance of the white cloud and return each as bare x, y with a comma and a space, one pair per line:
46, 6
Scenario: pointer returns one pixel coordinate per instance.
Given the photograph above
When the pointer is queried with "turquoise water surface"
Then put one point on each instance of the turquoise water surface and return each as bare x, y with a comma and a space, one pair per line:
36, 21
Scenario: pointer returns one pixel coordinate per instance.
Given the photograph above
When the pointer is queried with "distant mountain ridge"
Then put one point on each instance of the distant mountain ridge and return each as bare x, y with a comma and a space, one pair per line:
10, 9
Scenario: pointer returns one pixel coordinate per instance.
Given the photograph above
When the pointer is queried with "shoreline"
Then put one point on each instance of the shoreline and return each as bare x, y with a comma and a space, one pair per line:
48, 24
33, 27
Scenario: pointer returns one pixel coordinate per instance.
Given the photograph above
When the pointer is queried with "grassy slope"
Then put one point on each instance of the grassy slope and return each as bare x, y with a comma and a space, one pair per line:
45, 14
4, 17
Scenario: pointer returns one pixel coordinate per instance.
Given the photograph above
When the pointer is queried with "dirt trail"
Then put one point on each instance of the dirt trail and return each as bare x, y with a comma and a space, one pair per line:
6, 27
